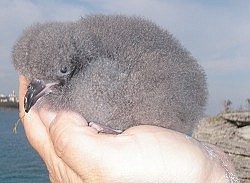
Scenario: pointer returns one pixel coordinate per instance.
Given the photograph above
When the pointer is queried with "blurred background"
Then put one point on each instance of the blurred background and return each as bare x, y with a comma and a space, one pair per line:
217, 33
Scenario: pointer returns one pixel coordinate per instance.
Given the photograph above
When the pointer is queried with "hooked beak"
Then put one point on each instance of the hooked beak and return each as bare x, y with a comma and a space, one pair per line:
35, 90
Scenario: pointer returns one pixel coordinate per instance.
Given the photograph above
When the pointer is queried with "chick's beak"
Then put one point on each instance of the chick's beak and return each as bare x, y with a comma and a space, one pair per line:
35, 90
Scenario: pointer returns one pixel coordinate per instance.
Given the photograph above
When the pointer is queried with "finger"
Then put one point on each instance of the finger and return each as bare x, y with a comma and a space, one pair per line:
34, 129
39, 138
68, 126
91, 154
140, 151
23, 83
78, 145
223, 159
47, 117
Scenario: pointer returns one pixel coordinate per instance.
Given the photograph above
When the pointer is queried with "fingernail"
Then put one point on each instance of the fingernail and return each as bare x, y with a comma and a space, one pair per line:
47, 116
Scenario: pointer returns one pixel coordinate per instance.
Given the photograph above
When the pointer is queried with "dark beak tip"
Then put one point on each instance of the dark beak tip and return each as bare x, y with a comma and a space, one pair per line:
26, 110
35, 90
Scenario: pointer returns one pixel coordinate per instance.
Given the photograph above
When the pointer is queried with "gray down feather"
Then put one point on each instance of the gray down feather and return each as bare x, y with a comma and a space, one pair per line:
127, 71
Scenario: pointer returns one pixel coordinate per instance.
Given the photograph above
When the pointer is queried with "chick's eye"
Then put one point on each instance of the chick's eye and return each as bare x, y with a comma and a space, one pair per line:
64, 70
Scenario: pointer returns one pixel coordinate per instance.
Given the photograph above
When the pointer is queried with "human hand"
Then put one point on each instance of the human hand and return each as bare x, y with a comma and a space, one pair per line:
75, 152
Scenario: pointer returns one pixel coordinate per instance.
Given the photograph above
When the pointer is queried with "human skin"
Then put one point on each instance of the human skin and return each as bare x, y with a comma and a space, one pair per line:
76, 152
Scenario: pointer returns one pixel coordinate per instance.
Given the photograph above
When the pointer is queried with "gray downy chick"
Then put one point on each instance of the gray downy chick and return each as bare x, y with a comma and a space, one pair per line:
116, 71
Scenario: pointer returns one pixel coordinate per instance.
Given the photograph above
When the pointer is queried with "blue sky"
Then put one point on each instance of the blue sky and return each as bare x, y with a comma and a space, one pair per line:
216, 32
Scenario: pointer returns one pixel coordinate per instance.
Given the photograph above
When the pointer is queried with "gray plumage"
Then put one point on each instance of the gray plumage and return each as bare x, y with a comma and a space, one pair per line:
118, 71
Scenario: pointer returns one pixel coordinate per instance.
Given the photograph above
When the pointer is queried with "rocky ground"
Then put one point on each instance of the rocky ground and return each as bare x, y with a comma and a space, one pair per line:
231, 132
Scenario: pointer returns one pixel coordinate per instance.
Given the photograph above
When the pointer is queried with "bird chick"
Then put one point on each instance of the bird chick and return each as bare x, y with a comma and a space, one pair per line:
116, 71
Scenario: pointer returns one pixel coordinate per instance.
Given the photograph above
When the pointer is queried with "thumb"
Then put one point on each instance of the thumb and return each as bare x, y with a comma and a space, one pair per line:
75, 142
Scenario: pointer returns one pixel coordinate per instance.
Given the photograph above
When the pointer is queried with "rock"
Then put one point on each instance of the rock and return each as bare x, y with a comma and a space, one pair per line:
234, 140
244, 132
240, 118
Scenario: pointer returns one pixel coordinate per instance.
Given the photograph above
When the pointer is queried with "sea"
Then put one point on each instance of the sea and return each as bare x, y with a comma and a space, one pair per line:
19, 162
